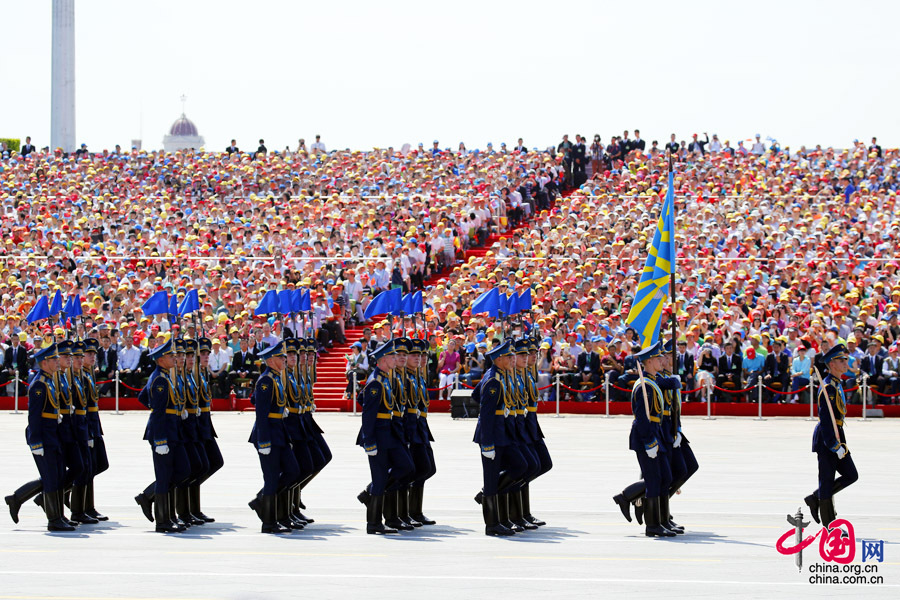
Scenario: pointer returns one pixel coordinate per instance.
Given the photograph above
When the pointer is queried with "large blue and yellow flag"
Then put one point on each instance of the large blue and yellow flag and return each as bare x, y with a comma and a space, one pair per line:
653, 288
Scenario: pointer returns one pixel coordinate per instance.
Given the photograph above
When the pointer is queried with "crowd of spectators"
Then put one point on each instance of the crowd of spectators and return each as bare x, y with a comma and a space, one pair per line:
781, 252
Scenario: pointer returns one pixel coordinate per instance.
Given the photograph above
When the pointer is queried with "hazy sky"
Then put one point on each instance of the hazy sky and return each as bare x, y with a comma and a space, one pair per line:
369, 73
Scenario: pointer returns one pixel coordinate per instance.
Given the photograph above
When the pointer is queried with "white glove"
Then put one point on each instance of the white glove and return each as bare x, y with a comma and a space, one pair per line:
490, 455
162, 450
286, 413
38, 452
198, 411
59, 418
678, 439
652, 452
265, 451
184, 414
372, 452
90, 443
841, 452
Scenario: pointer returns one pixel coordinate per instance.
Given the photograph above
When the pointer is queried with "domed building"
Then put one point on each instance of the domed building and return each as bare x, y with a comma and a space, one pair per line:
182, 135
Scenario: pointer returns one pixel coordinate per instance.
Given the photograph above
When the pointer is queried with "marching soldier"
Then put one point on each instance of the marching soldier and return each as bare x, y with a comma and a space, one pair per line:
396, 501
381, 436
99, 459
299, 439
418, 433
270, 438
829, 441
45, 443
206, 433
503, 465
170, 462
68, 431
533, 428
649, 442
82, 433
319, 450
522, 435
188, 382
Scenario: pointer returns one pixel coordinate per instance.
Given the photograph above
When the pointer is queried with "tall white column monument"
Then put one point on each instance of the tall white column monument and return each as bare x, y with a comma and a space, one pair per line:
62, 91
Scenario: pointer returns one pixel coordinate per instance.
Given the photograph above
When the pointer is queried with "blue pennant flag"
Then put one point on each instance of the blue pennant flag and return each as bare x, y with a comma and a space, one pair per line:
417, 305
306, 300
512, 305
173, 305
190, 304
157, 304
268, 305
503, 304
76, 310
406, 304
296, 300
40, 310
67, 307
653, 287
384, 303
284, 301
525, 300
57, 305
488, 302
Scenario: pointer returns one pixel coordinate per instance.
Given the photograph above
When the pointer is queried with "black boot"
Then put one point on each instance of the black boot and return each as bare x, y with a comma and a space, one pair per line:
183, 507
173, 510
283, 505
297, 503
639, 510
651, 516
62, 510
416, 497
526, 507
391, 512
479, 497
491, 512
629, 495
403, 508
826, 510
194, 492
363, 497
665, 517
812, 501
516, 512
268, 508
145, 501
21, 496
373, 516
53, 506
89, 507
503, 513
256, 506
164, 522
78, 515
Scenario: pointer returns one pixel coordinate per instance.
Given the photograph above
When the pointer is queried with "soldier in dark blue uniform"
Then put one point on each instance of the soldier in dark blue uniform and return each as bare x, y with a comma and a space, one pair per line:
538, 446
270, 438
503, 465
163, 432
417, 431
186, 388
81, 425
381, 436
649, 441
299, 439
318, 447
829, 441
42, 435
69, 432
206, 433
522, 434
99, 459
396, 501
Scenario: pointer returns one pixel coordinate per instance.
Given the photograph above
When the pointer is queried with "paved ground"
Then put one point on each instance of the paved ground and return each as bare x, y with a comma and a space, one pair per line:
751, 475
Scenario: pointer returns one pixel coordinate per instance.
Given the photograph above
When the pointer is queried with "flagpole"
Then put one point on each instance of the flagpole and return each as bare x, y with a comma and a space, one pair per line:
672, 283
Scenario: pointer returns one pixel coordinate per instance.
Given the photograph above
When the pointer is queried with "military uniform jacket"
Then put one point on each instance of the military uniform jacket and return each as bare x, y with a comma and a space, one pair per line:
521, 406
43, 414
310, 406
271, 405
824, 439
531, 420
378, 408
422, 402
646, 430
66, 409
398, 416
293, 424
188, 390
670, 424
163, 426
93, 404
80, 425
204, 397
411, 409
490, 393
